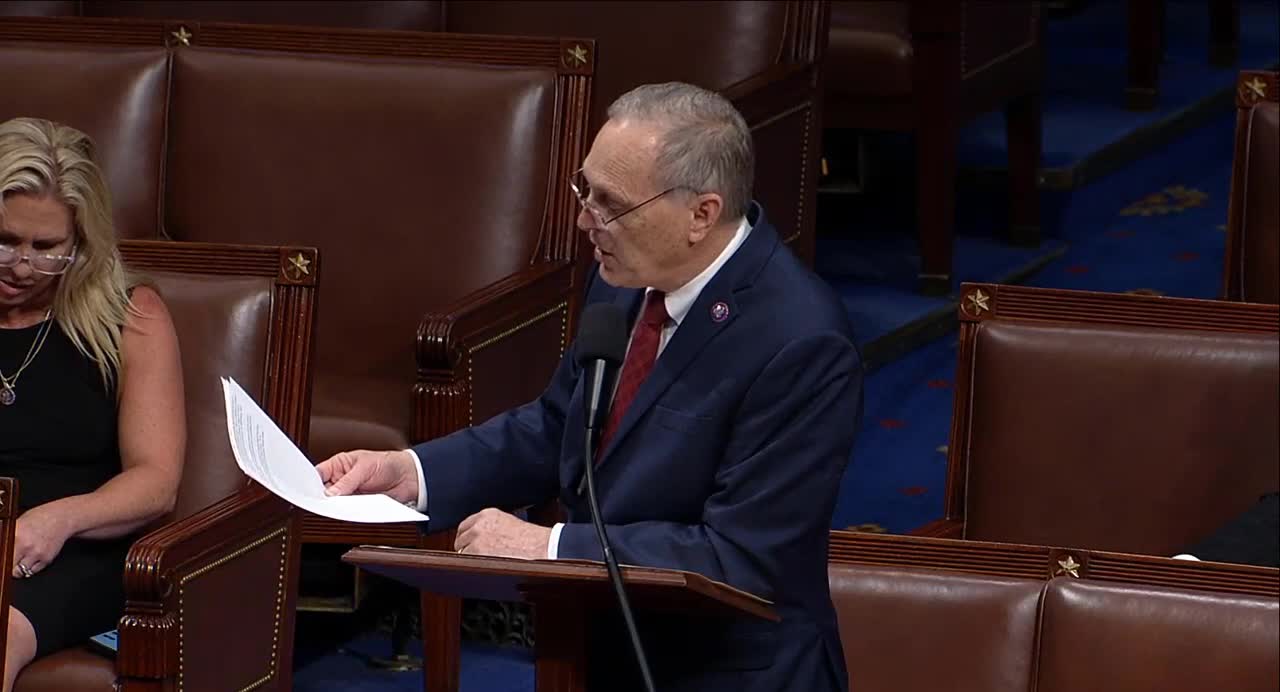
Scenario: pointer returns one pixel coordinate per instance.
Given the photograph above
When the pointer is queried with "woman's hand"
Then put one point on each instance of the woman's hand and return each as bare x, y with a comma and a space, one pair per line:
38, 538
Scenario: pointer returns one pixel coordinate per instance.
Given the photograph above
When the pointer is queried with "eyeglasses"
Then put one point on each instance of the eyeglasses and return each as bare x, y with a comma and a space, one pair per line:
46, 263
582, 189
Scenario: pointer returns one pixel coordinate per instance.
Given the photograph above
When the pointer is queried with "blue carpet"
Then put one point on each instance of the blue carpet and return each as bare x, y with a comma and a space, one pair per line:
1086, 75
875, 273
868, 248
485, 668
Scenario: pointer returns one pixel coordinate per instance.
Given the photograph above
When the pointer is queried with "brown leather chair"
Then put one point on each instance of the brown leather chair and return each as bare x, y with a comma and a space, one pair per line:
765, 56
8, 500
1117, 638
117, 95
1025, 561
930, 67
418, 15
1252, 271
919, 614
453, 251
912, 629
1109, 421
459, 256
210, 588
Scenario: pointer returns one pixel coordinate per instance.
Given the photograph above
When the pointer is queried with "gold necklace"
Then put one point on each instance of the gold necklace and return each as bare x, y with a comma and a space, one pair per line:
9, 383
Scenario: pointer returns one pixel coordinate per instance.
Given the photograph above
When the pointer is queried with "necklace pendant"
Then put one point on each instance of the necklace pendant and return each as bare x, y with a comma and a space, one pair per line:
7, 395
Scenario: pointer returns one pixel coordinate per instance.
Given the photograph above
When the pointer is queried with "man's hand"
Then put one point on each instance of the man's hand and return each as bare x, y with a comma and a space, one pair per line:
37, 539
366, 473
494, 532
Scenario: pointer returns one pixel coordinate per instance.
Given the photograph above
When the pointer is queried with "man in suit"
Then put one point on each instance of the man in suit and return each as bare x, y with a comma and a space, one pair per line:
1250, 538
733, 414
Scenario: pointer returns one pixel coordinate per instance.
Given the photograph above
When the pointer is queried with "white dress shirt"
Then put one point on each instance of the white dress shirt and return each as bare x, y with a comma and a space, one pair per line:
678, 303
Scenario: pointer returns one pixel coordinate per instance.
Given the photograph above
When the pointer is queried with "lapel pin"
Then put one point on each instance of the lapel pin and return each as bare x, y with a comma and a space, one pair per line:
720, 311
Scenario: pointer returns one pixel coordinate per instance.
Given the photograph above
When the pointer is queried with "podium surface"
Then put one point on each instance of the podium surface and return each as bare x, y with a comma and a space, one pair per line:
509, 579
563, 592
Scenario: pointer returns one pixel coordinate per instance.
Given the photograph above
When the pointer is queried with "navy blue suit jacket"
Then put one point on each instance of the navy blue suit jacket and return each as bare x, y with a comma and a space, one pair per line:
727, 463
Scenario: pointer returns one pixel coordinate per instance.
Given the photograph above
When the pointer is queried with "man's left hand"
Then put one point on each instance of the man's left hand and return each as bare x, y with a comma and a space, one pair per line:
494, 532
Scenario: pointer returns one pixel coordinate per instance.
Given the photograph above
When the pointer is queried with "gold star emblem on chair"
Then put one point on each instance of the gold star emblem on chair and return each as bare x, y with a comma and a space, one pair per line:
182, 35
1257, 87
298, 267
577, 55
977, 302
1068, 566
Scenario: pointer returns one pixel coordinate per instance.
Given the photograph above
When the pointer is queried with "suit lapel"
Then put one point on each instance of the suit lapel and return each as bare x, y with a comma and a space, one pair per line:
630, 300
688, 341
713, 311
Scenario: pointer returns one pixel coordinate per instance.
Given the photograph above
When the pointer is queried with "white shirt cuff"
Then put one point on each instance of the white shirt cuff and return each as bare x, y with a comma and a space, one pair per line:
422, 481
1186, 556
553, 545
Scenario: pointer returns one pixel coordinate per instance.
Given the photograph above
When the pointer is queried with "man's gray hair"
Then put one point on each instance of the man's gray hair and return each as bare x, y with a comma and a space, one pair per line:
706, 145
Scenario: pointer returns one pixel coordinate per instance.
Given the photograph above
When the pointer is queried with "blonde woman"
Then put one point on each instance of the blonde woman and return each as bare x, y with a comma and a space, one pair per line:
91, 404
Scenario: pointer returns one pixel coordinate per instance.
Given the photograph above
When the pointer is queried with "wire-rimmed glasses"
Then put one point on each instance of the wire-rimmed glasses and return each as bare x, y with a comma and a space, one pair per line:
46, 263
582, 190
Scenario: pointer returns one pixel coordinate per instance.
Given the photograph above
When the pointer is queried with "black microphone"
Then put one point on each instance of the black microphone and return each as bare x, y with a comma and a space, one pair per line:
602, 342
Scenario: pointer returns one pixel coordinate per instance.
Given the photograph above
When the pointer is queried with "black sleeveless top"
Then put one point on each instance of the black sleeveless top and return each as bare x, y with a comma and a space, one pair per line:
59, 436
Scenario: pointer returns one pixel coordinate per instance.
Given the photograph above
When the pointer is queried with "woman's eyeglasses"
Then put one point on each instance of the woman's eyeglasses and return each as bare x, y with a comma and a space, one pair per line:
43, 263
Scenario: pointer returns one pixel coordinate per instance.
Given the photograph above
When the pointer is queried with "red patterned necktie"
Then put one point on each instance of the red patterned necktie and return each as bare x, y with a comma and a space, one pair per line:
641, 355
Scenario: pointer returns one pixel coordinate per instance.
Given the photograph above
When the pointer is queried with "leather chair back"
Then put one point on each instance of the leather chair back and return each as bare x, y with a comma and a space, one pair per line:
920, 614
763, 55
40, 8
1118, 638
1252, 271
1117, 438
297, 148
754, 53
1111, 421
713, 44
914, 629
420, 15
115, 95
1044, 562
222, 324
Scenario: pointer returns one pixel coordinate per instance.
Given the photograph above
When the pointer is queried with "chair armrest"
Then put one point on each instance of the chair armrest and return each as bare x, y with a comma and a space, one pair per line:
494, 349
941, 528
232, 564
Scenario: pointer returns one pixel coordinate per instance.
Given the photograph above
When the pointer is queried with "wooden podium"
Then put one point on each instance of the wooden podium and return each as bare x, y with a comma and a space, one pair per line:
567, 590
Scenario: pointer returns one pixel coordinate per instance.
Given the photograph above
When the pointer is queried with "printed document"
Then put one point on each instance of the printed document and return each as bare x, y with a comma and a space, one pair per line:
269, 457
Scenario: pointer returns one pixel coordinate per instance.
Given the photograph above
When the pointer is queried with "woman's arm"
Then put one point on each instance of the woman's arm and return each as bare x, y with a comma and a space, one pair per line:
152, 422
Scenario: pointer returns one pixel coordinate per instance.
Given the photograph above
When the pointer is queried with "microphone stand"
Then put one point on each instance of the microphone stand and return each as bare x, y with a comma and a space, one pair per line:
615, 575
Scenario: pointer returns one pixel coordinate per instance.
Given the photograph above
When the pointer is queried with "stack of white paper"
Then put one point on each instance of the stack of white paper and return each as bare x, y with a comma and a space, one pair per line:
269, 457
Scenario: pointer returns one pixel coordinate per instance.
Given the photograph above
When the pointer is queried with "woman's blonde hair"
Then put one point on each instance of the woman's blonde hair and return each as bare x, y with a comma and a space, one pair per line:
91, 305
